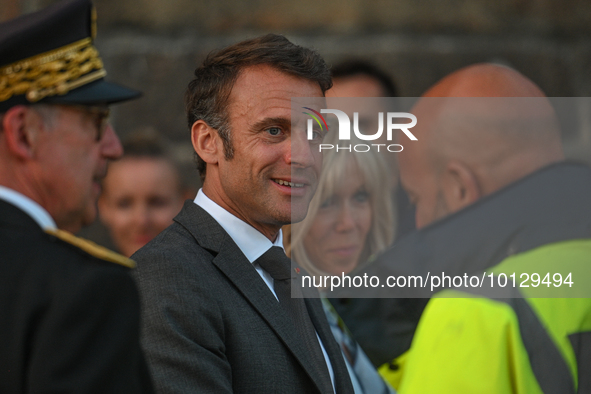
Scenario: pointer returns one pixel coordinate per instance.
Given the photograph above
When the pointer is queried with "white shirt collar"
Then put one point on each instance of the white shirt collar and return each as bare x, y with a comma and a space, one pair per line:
30, 207
251, 242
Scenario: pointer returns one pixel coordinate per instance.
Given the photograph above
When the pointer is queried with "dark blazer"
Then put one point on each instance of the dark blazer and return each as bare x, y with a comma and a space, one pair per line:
211, 324
69, 321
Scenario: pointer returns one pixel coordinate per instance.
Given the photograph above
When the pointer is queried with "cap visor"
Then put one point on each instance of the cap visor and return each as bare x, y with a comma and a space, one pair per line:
98, 92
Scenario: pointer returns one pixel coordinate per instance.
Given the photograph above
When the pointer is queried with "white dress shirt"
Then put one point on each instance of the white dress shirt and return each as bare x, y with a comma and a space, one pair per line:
30, 207
252, 243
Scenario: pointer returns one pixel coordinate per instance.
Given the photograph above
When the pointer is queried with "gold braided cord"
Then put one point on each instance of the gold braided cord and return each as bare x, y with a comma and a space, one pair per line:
52, 73
91, 248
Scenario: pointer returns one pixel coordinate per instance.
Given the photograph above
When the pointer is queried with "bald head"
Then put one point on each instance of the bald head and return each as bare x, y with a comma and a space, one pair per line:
479, 129
485, 80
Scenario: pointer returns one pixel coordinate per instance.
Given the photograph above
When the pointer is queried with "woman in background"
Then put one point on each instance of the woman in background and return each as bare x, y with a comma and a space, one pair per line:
142, 193
350, 219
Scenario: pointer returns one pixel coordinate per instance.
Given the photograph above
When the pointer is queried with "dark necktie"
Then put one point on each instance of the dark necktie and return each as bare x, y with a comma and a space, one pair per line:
278, 265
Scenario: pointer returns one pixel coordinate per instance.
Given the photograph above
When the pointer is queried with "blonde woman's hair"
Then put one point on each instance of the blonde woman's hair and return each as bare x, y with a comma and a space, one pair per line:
377, 183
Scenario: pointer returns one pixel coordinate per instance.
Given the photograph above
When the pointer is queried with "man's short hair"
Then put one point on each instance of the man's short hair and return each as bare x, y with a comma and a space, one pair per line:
208, 94
45, 110
356, 67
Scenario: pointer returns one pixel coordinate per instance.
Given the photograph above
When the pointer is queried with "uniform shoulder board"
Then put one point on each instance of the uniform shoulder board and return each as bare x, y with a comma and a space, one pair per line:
92, 248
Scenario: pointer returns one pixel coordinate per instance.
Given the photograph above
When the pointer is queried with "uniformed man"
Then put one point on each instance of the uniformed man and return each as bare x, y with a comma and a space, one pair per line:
69, 310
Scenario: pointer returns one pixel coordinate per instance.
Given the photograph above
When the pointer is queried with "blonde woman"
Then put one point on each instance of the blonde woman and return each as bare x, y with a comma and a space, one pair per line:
350, 219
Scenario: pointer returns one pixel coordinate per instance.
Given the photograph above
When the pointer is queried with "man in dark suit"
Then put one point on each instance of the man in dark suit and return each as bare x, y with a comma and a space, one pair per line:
216, 317
70, 310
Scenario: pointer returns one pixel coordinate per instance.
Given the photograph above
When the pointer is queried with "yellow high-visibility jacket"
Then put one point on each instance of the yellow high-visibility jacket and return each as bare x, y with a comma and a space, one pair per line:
532, 339
481, 345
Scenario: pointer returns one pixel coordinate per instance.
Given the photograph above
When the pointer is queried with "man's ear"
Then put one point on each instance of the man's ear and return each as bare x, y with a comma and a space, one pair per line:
21, 127
206, 142
459, 185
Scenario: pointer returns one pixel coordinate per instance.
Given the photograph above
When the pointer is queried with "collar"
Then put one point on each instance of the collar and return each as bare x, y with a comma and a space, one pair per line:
550, 205
251, 242
30, 207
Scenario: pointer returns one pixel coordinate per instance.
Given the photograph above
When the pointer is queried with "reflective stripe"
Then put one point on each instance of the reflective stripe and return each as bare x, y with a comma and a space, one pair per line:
581, 343
547, 363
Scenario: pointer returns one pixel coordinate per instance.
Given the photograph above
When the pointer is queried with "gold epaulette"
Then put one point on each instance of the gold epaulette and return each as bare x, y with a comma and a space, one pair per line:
92, 248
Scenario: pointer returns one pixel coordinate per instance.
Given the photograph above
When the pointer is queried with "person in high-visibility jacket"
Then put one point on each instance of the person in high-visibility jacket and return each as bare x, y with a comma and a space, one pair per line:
496, 203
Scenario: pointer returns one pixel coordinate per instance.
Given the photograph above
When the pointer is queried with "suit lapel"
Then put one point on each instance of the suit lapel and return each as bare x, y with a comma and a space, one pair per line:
236, 267
318, 317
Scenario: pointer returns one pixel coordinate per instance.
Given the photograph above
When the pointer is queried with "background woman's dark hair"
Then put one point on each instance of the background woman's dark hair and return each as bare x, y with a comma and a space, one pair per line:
356, 67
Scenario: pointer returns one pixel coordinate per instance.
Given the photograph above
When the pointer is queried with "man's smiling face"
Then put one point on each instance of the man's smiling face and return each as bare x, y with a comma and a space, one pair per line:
273, 173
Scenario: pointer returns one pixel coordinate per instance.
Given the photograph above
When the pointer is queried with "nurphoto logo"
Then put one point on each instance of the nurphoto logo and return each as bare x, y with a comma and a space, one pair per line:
344, 123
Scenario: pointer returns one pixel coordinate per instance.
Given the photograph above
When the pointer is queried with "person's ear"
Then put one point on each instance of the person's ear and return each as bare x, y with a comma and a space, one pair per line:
206, 142
459, 185
21, 127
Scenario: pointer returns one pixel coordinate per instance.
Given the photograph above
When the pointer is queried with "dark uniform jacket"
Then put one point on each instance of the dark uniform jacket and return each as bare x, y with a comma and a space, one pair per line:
69, 321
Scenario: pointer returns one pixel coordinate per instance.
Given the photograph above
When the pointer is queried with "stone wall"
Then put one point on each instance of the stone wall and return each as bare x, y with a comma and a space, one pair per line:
154, 45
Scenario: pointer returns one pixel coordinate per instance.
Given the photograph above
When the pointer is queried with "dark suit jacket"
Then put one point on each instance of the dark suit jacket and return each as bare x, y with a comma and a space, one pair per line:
211, 324
69, 322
